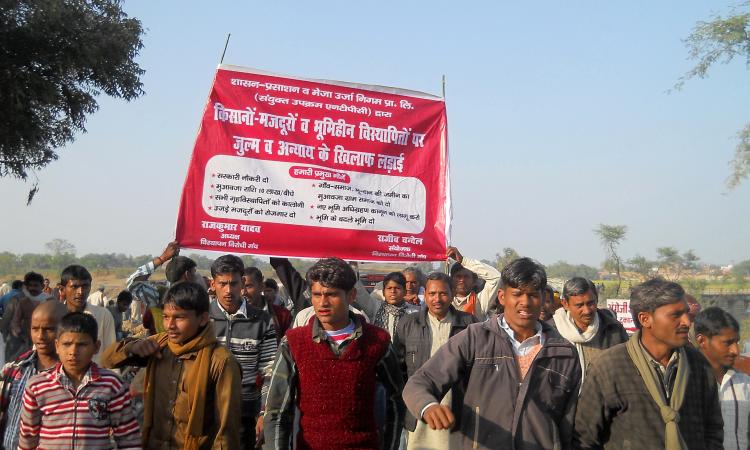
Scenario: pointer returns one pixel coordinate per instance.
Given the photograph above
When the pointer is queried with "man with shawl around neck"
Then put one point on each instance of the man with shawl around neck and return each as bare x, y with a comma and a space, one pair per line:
580, 322
192, 384
465, 274
654, 391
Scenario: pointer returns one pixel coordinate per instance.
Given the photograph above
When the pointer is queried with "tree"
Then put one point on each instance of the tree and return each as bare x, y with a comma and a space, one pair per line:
60, 247
565, 270
741, 269
672, 265
610, 237
502, 259
722, 39
642, 266
58, 56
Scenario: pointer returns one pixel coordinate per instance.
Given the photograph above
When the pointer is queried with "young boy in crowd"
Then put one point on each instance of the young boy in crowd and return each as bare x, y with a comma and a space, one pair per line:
192, 386
77, 404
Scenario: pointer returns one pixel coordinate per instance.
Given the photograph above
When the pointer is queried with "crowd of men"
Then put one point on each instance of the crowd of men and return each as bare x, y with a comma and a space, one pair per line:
477, 358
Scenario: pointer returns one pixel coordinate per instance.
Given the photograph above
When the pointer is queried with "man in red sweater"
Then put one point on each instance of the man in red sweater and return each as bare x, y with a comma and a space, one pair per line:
329, 370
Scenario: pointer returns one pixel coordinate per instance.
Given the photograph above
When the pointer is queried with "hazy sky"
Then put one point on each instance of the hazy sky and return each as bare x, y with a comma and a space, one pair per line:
558, 112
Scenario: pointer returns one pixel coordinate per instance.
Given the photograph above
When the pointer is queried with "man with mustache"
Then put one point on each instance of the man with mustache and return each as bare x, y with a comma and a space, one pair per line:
580, 322
654, 391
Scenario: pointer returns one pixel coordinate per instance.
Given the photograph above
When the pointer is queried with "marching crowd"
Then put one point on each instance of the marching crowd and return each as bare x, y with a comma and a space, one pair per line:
477, 358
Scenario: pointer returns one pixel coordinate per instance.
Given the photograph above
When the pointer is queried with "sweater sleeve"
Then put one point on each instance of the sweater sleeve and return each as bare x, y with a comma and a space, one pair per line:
125, 429
265, 360
31, 421
279, 414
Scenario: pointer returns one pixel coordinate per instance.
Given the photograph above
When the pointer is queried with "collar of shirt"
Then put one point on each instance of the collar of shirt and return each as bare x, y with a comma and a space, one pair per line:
521, 348
731, 375
434, 320
458, 301
672, 363
319, 334
59, 374
242, 312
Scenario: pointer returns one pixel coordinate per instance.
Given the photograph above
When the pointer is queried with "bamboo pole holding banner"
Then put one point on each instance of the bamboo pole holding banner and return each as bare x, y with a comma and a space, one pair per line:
226, 44
447, 266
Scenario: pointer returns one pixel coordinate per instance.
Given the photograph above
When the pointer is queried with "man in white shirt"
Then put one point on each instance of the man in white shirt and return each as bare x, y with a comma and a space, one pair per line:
717, 334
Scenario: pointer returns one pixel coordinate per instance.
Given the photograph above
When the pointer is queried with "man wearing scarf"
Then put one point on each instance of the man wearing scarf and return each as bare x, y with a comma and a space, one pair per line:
583, 325
654, 391
192, 384
388, 312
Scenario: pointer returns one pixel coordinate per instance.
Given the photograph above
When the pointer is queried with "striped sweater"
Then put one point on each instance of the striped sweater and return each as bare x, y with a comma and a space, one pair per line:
57, 416
250, 336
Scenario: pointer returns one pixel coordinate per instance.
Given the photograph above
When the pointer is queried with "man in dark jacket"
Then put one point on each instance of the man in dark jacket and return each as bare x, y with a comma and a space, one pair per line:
583, 325
654, 391
418, 337
521, 376
249, 334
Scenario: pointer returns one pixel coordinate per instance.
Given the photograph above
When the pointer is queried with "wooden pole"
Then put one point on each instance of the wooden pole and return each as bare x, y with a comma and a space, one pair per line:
226, 44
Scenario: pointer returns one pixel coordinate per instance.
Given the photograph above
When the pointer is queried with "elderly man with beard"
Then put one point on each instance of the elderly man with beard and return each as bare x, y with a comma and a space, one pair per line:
654, 391
583, 325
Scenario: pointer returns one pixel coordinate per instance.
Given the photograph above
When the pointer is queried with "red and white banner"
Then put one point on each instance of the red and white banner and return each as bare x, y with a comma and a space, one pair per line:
621, 308
310, 168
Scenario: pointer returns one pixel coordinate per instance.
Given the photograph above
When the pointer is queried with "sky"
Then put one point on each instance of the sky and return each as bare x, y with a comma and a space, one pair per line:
559, 118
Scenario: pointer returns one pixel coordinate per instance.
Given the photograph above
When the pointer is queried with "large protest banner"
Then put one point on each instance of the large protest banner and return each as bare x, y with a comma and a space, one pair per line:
310, 168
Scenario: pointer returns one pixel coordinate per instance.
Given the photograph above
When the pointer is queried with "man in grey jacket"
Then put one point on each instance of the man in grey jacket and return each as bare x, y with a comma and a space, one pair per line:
521, 376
